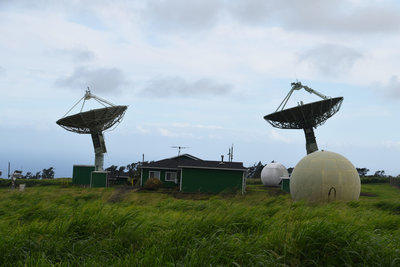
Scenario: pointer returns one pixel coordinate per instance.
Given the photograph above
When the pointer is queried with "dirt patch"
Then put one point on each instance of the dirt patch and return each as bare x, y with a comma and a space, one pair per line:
364, 194
119, 194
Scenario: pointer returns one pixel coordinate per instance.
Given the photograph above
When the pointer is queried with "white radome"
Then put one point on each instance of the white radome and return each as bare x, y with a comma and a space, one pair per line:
324, 176
272, 173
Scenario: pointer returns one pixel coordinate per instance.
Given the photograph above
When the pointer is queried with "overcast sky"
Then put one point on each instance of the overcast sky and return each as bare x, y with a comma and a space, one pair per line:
199, 74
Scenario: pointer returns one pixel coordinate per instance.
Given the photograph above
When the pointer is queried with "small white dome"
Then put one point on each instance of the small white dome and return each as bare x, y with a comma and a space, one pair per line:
324, 176
272, 173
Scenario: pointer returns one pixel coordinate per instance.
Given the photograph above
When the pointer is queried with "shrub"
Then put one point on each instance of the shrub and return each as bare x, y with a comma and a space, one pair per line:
37, 182
152, 184
374, 180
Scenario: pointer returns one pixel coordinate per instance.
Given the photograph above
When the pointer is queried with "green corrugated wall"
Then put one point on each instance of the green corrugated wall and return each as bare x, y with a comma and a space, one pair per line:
98, 179
81, 174
211, 181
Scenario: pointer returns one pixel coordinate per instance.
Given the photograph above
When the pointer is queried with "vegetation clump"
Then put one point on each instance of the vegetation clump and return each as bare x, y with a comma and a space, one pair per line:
152, 184
35, 182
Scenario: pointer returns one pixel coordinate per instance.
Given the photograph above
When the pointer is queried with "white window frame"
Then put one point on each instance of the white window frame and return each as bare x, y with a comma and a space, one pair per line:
155, 176
169, 180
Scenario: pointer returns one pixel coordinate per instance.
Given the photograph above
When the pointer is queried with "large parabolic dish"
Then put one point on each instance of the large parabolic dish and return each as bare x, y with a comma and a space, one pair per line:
305, 116
94, 122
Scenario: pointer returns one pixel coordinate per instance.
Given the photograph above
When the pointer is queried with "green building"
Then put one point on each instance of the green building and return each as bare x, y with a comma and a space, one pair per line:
192, 174
85, 175
98, 179
81, 174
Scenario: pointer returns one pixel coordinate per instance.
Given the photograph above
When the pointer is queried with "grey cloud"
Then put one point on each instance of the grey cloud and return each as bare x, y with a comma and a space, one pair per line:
252, 11
390, 89
192, 16
315, 15
78, 54
105, 80
182, 14
178, 87
342, 18
372, 19
330, 59
303, 15
82, 55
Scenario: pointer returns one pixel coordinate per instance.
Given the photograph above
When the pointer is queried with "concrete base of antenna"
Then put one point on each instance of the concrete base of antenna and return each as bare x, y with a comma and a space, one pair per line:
99, 161
324, 176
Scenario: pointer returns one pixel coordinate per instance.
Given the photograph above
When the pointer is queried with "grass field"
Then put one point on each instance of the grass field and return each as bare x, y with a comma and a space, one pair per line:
56, 225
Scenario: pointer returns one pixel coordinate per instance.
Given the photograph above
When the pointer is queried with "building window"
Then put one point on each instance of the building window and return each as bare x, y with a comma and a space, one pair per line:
170, 176
154, 174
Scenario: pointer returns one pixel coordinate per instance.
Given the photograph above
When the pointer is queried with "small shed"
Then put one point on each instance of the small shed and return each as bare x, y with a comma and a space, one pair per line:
81, 174
85, 175
192, 174
98, 179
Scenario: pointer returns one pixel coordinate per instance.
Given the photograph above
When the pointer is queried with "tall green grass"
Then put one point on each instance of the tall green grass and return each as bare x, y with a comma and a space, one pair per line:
76, 226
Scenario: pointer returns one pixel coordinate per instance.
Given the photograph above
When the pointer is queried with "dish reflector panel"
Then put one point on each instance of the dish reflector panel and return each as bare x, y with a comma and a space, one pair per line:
93, 121
305, 116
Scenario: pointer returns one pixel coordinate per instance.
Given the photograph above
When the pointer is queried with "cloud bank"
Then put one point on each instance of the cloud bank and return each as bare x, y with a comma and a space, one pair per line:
354, 17
105, 80
78, 55
303, 15
390, 89
178, 87
330, 59
182, 15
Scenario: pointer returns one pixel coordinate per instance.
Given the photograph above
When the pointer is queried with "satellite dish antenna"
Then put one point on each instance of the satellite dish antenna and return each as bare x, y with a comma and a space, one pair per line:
305, 116
179, 148
94, 122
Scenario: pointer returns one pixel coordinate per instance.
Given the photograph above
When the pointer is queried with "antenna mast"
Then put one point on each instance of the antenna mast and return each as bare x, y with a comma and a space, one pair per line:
179, 148
230, 154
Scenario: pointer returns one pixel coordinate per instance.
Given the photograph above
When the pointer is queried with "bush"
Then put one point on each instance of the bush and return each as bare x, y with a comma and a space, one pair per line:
152, 184
36, 182
374, 180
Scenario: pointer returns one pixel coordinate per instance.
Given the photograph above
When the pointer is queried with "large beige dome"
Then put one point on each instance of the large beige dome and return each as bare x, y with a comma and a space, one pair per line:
272, 173
325, 176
